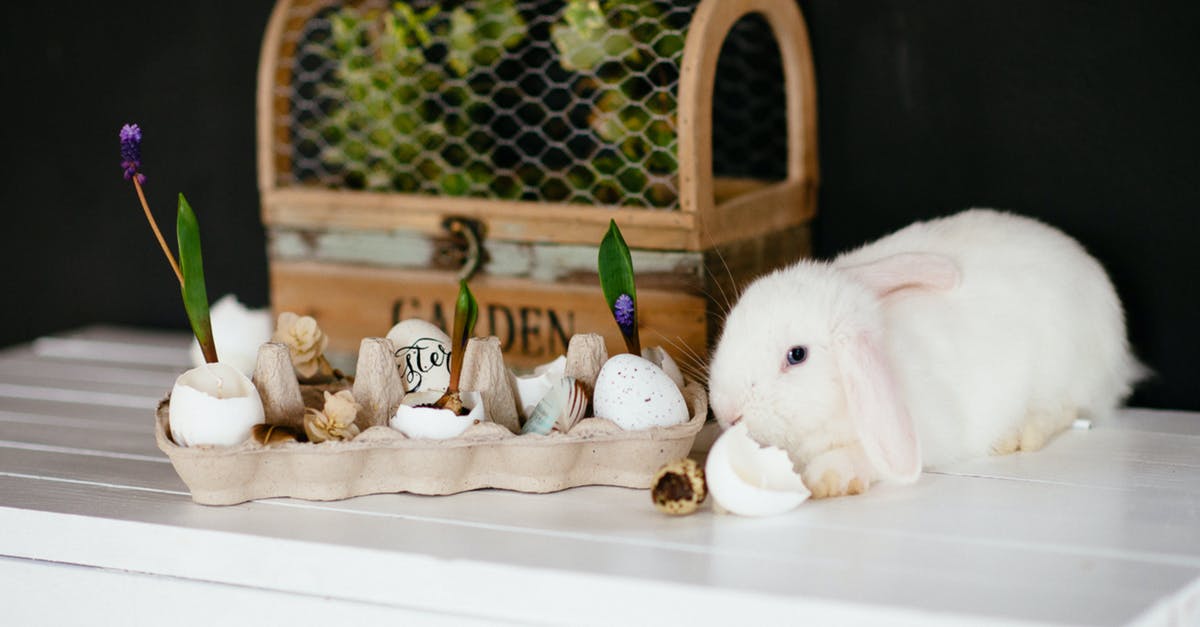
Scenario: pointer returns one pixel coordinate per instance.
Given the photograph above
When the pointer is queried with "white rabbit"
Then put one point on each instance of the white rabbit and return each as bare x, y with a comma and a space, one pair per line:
983, 332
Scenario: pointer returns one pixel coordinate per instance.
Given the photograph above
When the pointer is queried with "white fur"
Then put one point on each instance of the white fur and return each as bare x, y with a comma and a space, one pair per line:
1019, 326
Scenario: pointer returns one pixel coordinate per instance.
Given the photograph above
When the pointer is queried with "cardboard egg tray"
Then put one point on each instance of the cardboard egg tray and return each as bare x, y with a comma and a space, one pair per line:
382, 460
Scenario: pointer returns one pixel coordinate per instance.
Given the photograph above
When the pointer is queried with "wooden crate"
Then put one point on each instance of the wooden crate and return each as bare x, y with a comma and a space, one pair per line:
360, 260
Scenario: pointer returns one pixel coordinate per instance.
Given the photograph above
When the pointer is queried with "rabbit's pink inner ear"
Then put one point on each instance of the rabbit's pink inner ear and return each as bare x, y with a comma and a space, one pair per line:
905, 270
877, 411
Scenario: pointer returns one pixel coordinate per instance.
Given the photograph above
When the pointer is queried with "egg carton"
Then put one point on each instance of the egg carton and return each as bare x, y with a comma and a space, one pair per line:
382, 460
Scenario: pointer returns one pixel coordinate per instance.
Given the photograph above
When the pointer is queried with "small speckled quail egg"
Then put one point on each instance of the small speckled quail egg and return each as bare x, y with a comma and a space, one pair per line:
678, 487
749, 479
636, 394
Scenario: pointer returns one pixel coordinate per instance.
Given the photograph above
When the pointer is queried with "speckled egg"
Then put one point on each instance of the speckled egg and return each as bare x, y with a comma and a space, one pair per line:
678, 488
636, 394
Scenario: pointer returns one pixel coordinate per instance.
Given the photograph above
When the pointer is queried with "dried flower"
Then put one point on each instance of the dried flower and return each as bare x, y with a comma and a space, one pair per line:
267, 435
336, 421
131, 152
304, 339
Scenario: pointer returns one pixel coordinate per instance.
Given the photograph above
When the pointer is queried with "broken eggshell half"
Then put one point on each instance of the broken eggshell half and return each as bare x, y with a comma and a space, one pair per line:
433, 423
532, 388
658, 356
752, 480
213, 404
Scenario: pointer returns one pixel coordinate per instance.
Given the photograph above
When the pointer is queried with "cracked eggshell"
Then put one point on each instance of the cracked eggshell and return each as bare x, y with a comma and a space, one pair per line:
213, 405
422, 355
659, 357
237, 332
433, 423
636, 394
532, 388
749, 479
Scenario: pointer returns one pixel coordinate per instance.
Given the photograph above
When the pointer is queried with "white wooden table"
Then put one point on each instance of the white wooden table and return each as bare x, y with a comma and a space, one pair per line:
1103, 527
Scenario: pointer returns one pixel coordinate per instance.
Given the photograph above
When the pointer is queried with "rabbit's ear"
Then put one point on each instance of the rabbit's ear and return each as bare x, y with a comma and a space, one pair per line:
878, 413
905, 270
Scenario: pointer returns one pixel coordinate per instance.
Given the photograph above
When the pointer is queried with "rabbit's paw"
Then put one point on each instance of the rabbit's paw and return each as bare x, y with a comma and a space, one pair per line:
1010, 443
1043, 424
839, 472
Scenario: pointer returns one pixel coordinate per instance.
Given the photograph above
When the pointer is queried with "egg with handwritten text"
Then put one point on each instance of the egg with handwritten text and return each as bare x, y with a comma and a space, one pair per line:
422, 355
636, 394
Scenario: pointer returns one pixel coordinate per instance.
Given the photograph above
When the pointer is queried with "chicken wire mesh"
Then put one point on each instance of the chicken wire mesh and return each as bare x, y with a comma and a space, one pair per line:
515, 99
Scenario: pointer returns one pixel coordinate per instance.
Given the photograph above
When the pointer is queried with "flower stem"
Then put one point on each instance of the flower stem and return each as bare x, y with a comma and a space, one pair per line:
154, 226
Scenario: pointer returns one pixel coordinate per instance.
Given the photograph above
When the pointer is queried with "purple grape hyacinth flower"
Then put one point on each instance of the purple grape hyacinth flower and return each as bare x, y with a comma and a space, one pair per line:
623, 312
131, 152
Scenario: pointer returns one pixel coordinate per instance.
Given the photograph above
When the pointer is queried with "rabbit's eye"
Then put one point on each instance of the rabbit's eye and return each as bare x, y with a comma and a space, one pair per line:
796, 355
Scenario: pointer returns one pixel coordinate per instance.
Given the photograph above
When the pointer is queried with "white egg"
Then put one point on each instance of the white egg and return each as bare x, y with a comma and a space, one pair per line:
636, 394
214, 404
237, 332
422, 354
434, 423
749, 479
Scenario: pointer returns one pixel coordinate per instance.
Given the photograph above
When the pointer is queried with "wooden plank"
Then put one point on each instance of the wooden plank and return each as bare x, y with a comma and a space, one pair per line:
946, 511
87, 437
134, 336
27, 380
78, 396
1100, 459
546, 262
1154, 420
111, 351
124, 414
84, 421
747, 216
267, 129
25, 364
326, 550
727, 187
507, 220
1154, 524
35, 591
534, 321
1071, 521
1104, 446
948, 517
145, 473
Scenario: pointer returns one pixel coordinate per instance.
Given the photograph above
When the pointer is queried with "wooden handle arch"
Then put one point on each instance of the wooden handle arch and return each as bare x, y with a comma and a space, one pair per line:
788, 203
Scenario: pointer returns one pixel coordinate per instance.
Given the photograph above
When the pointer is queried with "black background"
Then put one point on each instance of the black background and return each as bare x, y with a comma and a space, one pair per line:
1080, 113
